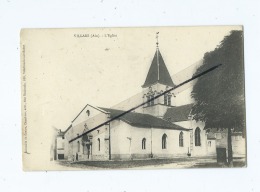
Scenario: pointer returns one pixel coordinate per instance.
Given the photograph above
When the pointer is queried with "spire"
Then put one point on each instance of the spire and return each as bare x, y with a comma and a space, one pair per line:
157, 54
158, 72
157, 42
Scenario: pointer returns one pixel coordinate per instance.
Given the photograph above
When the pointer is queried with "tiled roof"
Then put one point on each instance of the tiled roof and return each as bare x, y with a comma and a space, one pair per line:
179, 113
143, 120
153, 77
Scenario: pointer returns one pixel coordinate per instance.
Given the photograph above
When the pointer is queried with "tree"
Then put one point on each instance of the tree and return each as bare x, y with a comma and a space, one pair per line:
219, 96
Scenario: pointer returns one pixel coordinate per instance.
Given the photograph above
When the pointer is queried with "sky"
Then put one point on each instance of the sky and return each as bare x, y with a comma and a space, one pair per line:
69, 68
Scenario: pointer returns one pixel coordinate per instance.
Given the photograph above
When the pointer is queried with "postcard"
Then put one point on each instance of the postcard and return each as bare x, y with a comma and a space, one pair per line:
133, 98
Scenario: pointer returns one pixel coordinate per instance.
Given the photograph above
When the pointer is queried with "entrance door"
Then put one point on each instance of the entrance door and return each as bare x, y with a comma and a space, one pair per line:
88, 150
221, 155
60, 156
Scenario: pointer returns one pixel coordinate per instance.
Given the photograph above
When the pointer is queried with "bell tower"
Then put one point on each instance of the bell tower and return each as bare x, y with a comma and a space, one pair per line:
157, 81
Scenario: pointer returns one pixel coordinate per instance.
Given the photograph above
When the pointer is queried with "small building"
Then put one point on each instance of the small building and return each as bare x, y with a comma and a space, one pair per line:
60, 140
218, 137
58, 149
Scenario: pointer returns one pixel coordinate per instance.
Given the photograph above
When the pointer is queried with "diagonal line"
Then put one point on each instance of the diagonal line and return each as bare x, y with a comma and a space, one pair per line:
132, 109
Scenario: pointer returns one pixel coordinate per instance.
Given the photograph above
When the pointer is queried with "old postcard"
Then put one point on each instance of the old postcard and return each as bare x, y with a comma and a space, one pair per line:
133, 98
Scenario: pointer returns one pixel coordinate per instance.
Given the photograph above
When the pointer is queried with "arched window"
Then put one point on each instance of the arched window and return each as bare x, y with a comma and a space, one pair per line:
165, 99
98, 144
152, 101
181, 139
169, 100
144, 143
164, 141
78, 146
148, 102
197, 137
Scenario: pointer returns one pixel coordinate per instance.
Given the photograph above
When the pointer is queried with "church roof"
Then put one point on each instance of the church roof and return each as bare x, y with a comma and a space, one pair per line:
143, 120
179, 113
158, 72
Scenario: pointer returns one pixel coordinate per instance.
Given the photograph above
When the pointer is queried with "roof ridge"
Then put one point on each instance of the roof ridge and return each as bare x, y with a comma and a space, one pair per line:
121, 110
125, 119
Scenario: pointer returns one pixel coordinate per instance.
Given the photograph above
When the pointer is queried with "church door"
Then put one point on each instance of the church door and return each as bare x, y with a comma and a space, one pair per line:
88, 150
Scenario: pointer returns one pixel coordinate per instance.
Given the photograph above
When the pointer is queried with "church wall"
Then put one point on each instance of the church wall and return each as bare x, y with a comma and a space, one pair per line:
100, 145
86, 121
138, 134
157, 110
68, 136
196, 150
152, 110
162, 110
172, 149
126, 142
78, 148
183, 96
202, 149
88, 112
120, 140
185, 124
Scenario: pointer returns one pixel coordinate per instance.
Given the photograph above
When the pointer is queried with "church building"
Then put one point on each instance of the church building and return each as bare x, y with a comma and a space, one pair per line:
158, 129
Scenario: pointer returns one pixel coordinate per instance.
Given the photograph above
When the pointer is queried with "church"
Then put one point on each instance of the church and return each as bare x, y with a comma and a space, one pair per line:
158, 129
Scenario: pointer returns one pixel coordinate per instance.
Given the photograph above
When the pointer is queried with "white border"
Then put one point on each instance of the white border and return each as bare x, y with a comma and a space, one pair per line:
15, 15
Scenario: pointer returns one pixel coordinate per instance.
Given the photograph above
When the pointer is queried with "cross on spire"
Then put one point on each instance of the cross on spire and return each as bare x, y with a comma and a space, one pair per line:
157, 42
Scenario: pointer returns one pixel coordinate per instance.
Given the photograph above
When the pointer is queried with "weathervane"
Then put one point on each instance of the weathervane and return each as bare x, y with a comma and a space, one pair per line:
157, 36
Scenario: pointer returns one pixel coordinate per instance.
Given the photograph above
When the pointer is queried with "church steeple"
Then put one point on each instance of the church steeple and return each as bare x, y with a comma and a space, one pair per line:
158, 72
157, 55
158, 80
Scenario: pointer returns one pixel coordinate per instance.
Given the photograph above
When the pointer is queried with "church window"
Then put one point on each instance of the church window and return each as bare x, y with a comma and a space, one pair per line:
197, 137
164, 141
144, 143
148, 102
78, 143
209, 143
152, 101
98, 144
181, 139
88, 112
169, 100
165, 99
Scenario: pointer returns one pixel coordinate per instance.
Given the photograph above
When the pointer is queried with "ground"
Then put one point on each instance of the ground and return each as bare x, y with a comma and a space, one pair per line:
152, 164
